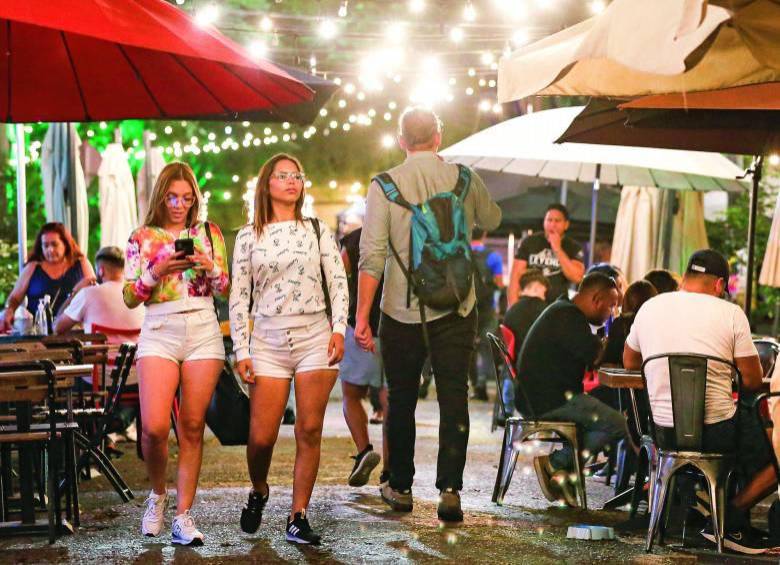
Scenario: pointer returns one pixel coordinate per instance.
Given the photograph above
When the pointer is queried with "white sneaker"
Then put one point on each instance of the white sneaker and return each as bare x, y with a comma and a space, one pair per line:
154, 516
184, 531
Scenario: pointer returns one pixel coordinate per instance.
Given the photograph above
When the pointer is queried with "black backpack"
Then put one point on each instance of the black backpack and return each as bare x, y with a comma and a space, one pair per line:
484, 282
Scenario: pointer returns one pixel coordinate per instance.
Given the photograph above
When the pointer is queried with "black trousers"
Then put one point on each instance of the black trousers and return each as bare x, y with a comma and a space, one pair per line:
403, 353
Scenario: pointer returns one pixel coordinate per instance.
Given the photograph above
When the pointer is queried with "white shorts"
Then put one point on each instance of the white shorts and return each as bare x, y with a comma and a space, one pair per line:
284, 353
183, 336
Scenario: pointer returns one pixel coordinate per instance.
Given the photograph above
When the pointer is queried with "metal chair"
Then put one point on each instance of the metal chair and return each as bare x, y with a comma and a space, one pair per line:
682, 446
519, 429
768, 350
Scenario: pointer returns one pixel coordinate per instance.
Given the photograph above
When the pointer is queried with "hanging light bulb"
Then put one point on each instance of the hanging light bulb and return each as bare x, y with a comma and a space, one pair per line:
456, 35
344, 9
469, 12
416, 6
328, 29
266, 24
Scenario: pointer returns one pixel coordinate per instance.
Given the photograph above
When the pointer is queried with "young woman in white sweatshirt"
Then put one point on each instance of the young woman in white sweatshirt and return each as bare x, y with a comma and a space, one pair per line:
278, 266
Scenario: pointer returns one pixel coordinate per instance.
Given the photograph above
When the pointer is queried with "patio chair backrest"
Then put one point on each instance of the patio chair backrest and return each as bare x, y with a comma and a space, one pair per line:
688, 385
767, 354
500, 352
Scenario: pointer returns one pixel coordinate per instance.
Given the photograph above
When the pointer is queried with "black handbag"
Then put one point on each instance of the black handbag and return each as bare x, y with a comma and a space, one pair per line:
228, 412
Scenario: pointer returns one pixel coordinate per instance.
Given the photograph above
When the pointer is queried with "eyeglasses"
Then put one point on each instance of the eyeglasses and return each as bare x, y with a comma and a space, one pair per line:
173, 201
284, 175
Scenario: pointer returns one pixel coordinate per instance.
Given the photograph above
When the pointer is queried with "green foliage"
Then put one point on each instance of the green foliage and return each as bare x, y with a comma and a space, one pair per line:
8, 268
730, 234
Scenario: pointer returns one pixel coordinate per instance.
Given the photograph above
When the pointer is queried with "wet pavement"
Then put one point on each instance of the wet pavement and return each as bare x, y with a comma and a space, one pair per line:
356, 526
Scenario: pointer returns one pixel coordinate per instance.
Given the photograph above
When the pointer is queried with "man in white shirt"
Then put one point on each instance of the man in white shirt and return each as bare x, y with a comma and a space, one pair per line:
102, 304
698, 320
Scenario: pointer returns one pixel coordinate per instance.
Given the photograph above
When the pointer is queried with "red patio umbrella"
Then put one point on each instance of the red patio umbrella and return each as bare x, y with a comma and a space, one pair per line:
89, 60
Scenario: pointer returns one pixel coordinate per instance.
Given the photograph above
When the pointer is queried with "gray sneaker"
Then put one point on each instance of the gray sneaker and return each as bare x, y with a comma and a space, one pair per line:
400, 501
449, 506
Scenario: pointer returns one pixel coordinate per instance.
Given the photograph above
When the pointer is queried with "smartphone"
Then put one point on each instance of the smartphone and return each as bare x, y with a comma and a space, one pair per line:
186, 245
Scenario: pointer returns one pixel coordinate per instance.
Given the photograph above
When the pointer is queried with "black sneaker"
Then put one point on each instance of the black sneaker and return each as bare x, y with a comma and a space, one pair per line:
741, 541
252, 514
299, 530
365, 461
289, 417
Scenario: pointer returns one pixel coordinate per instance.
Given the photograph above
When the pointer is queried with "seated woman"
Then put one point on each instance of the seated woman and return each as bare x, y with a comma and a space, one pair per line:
56, 267
636, 294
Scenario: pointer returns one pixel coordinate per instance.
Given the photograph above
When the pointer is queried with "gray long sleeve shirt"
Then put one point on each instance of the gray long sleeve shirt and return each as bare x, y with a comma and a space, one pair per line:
422, 175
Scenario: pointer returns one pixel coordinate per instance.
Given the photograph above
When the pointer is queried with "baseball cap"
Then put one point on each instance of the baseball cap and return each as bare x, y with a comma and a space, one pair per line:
708, 262
111, 253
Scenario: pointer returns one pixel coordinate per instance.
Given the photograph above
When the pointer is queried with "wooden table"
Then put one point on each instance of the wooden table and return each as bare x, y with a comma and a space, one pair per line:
13, 389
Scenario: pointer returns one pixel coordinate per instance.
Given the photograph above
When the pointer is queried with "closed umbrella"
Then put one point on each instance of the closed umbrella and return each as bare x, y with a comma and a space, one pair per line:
118, 215
64, 185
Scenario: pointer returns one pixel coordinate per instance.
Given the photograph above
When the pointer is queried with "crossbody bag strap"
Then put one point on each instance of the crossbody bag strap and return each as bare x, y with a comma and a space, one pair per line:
207, 225
315, 223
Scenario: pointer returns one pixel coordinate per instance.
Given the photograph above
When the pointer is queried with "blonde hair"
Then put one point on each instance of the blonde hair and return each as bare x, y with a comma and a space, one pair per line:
177, 170
263, 209
417, 126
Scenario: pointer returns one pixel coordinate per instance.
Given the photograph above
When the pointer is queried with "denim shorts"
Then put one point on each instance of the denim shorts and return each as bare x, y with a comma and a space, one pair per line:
360, 367
182, 336
282, 353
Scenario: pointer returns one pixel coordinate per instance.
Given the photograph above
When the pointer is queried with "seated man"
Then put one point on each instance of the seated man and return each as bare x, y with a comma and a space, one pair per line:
558, 349
523, 313
520, 317
698, 320
102, 304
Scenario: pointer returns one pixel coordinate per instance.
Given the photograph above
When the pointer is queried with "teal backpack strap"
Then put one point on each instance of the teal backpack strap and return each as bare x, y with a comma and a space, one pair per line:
464, 182
388, 186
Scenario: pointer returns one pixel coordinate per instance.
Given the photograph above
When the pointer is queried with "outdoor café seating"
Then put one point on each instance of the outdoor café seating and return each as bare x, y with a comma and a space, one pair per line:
682, 446
520, 429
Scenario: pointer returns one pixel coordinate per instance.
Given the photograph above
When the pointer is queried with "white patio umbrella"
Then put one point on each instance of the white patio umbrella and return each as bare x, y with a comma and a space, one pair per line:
526, 146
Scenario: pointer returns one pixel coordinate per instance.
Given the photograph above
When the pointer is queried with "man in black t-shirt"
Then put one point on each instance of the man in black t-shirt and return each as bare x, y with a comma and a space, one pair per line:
557, 256
557, 350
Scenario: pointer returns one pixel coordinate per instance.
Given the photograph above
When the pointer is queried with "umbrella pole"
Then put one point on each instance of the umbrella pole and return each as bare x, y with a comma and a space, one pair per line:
755, 170
72, 197
21, 197
594, 206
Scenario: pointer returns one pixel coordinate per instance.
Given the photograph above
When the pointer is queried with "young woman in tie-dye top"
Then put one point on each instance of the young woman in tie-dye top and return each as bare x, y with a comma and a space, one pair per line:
180, 343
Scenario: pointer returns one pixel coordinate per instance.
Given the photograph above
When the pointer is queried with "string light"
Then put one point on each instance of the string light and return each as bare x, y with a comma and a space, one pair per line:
519, 37
597, 6
416, 6
266, 24
487, 58
456, 35
774, 159
469, 12
207, 15
328, 29
258, 49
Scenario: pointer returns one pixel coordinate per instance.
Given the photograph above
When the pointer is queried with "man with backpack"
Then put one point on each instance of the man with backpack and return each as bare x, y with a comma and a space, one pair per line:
489, 277
419, 218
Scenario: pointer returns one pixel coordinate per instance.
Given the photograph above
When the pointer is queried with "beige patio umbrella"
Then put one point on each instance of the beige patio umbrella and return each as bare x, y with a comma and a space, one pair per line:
637, 48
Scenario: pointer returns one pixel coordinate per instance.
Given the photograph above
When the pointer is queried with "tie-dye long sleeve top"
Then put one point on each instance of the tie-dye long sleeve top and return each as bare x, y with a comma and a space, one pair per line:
179, 292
